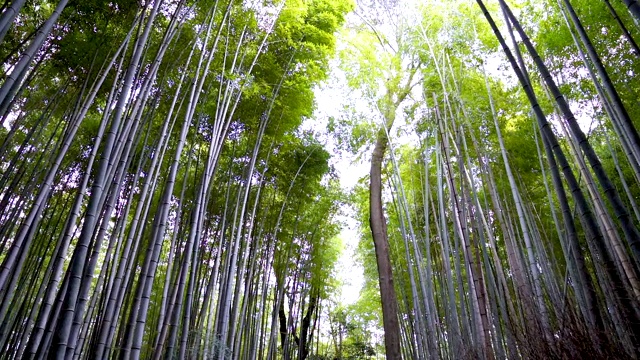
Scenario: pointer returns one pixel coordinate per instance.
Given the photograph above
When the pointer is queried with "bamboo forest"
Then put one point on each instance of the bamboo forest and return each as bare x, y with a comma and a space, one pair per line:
319, 179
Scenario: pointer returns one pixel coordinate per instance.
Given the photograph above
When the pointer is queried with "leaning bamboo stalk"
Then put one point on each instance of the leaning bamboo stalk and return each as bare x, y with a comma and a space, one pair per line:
144, 287
630, 231
90, 220
602, 215
19, 71
625, 129
451, 307
551, 141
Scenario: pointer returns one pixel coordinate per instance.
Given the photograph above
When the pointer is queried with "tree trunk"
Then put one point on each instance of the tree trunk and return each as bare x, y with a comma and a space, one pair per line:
378, 226
305, 336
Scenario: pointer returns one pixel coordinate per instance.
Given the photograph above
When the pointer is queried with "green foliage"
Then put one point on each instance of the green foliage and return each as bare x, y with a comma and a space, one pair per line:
427, 70
257, 74
351, 333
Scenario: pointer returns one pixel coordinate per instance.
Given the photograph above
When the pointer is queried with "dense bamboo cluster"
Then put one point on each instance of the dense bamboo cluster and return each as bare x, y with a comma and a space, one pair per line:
513, 228
157, 200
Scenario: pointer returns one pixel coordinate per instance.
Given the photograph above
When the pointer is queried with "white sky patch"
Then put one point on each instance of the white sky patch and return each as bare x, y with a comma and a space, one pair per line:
331, 99
10, 119
351, 274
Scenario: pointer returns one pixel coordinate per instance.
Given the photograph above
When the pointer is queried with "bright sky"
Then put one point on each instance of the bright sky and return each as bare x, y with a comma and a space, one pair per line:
331, 99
